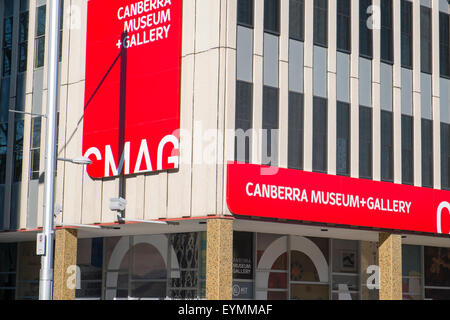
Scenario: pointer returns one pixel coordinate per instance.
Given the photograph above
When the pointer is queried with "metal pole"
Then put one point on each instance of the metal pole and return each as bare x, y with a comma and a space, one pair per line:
46, 276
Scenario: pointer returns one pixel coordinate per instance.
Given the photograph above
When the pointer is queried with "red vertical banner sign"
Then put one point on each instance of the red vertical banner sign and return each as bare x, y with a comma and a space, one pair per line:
132, 88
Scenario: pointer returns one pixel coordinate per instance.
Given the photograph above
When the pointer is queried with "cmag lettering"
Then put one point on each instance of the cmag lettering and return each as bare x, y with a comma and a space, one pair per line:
143, 158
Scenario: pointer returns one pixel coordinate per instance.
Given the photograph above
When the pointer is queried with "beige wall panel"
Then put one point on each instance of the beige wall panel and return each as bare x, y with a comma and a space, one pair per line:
67, 25
230, 102
135, 195
22, 223
376, 138
284, 31
258, 39
30, 53
207, 14
155, 192
91, 209
309, 36
110, 189
417, 138
332, 37
436, 142
40, 202
231, 9
73, 184
416, 48
188, 34
354, 57
77, 46
397, 133
204, 169
179, 183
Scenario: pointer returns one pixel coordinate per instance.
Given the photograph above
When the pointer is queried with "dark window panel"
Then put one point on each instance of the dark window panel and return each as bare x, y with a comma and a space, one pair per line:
387, 148
245, 12
406, 34
386, 31
444, 44
427, 153
321, 22
320, 137
344, 25
270, 125
272, 16
365, 142
365, 34
243, 116
18, 149
295, 131
407, 150
426, 39
3, 150
297, 19
343, 139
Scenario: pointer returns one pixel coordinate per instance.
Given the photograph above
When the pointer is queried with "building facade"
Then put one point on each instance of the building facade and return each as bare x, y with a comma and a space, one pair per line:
347, 88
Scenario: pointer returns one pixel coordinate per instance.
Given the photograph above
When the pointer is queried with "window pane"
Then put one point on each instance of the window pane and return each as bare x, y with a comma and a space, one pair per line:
40, 52
343, 25
343, 139
321, 22
387, 150
245, 12
40, 23
296, 19
272, 16
365, 142
444, 35
407, 150
427, 153
445, 156
365, 34
270, 126
295, 135
320, 135
406, 33
386, 31
425, 39
244, 101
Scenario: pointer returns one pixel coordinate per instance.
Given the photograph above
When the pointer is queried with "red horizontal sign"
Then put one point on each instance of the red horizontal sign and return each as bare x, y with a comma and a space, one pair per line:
254, 190
132, 89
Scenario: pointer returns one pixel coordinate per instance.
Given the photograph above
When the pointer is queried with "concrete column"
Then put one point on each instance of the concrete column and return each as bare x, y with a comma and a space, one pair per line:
390, 262
219, 259
65, 256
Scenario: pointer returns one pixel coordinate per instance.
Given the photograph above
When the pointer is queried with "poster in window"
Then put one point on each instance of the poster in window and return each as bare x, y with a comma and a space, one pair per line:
243, 255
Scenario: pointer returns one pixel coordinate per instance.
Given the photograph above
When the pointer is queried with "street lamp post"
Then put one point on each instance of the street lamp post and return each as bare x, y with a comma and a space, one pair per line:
46, 275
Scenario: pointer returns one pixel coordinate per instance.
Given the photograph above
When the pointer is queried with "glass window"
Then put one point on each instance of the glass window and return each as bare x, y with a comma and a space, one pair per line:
321, 22
28, 267
411, 272
386, 31
343, 139
406, 33
320, 138
40, 37
3, 150
344, 25
365, 142
8, 258
7, 45
272, 16
427, 153
245, 13
270, 126
365, 33
387, 148
244, 114
23, 41
444, 36
297, 19
425, 39
407, 150
35, 147
437, 273
243, 265
90, 261
295, 135
18, 149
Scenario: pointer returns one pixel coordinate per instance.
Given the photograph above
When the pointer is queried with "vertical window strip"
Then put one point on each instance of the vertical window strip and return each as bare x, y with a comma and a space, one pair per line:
365, 142
35, 148
444, 44
245, 13
427, 153
407, 150
39, 40
426, 40
445, 156
387, 51
406, 34
243, 121
7, 38
295, 131
321, 22
387, 146
23, 38
297, 20
365, 33
270, 125
320, 134
272, 16
344, 25
343, 139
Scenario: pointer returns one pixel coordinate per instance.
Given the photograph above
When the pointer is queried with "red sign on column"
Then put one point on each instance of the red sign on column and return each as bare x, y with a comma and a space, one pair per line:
132, 89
